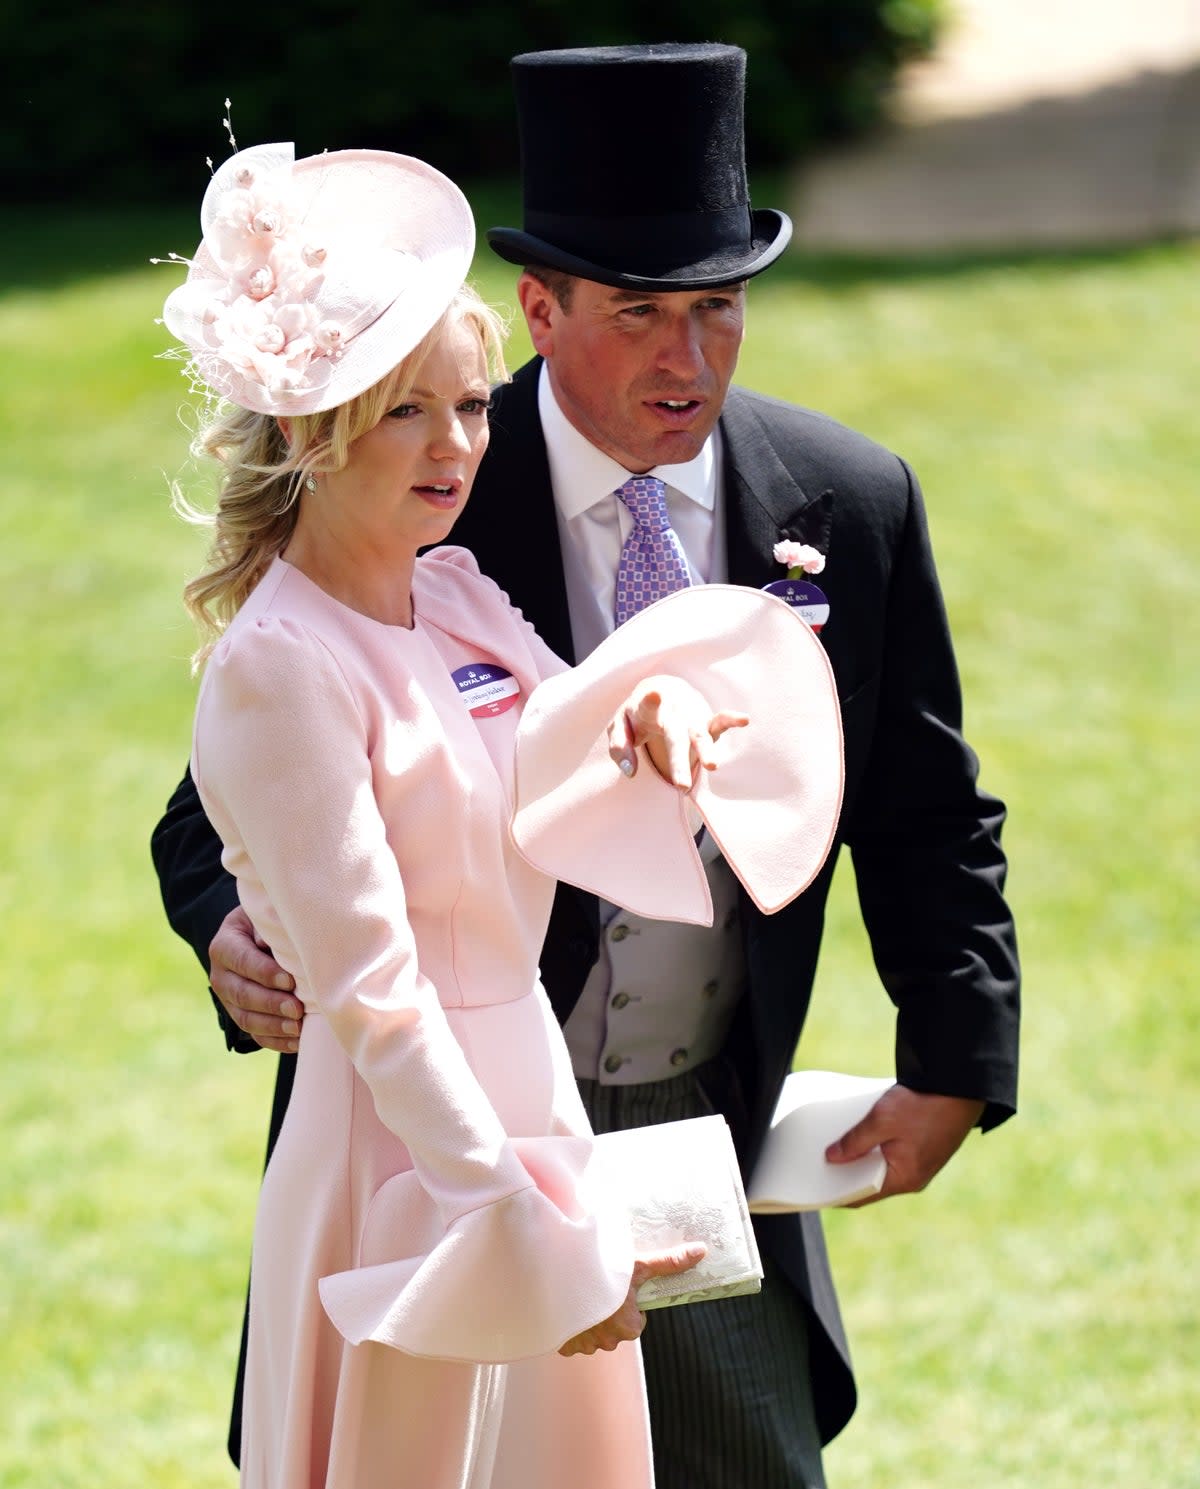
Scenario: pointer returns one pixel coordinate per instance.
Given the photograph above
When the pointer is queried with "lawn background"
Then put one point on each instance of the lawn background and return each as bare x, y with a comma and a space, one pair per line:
1032, 1318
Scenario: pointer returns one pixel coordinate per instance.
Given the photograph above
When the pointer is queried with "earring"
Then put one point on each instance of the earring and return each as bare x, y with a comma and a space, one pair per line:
310, 483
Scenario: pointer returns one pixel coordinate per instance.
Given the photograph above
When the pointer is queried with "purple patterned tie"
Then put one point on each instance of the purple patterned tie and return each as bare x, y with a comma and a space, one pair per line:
652, 563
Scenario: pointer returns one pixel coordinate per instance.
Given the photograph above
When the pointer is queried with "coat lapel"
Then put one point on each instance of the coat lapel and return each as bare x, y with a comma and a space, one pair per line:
764, 501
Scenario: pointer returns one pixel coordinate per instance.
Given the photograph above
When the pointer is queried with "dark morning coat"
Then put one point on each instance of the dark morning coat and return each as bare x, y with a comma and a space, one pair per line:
924, 839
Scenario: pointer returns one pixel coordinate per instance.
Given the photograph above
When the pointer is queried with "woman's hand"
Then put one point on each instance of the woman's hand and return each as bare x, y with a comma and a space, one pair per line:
629, 1320
676, 725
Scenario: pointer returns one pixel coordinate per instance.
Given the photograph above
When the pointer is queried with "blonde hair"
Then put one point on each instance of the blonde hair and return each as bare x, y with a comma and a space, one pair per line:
263, 475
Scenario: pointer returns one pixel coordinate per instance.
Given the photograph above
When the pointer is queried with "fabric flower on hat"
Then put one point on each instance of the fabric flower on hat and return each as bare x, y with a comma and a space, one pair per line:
249, 306
799, 558
250, 221
270, 341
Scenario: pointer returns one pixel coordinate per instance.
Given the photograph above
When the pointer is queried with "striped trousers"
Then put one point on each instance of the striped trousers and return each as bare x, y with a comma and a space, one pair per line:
728, 1382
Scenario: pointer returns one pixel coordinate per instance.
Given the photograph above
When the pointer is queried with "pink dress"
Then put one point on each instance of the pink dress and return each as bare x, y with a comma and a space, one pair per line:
425, 1237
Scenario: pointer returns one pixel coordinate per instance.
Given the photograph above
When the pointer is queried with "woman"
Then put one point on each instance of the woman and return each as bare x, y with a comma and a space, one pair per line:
427, 1259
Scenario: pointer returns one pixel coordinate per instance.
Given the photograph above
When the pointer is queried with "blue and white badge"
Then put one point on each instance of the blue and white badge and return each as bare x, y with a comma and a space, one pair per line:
797, 590
486, 688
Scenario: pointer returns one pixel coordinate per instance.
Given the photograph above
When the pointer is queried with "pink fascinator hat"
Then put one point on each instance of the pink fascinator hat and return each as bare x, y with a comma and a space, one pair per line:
773, 803
315, 277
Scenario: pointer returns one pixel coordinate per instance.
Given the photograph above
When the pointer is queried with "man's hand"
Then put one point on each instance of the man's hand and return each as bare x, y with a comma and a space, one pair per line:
629, 1320
917, 1132
253, 987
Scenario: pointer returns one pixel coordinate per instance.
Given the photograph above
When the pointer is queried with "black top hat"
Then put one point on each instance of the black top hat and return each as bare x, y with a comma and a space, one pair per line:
633, 168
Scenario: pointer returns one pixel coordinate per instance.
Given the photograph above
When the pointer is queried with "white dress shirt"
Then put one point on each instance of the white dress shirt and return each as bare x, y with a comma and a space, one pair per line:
593, 522
659, 999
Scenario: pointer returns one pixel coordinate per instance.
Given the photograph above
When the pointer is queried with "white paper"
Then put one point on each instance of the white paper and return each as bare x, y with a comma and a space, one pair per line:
815, 1108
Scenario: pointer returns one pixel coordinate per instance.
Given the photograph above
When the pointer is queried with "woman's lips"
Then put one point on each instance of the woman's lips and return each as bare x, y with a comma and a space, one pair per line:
440, 494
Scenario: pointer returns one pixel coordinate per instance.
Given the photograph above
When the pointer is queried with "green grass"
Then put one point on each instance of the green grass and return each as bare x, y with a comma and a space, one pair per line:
1032, 1319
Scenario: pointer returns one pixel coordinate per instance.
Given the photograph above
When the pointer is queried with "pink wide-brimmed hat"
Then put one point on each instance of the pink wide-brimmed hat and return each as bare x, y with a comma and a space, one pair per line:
316, 277
773, 803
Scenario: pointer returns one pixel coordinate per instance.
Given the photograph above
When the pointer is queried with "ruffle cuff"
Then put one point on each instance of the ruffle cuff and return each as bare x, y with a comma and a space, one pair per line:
773, 804
514, 1279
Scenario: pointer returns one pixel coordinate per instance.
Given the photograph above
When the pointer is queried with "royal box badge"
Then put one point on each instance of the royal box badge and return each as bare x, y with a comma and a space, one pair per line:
801, 560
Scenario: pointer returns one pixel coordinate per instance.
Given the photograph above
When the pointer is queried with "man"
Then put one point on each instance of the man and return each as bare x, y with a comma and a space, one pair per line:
638, 240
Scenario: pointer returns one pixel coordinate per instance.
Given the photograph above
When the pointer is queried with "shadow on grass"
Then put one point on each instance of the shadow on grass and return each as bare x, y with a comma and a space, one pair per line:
49, 247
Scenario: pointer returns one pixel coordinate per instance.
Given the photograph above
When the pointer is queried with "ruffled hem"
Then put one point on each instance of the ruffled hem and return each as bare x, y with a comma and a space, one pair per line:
512, 1280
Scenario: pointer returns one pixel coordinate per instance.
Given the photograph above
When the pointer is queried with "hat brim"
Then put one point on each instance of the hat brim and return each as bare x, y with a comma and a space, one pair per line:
771, 234
773, 803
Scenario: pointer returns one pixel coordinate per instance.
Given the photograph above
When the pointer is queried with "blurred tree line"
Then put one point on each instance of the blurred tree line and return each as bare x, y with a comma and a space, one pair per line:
121, 102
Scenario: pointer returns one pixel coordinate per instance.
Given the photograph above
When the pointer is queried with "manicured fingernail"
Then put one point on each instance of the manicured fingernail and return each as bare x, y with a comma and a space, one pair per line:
293, 1046
626, 765
283, 982
290, 1028
291, 1009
